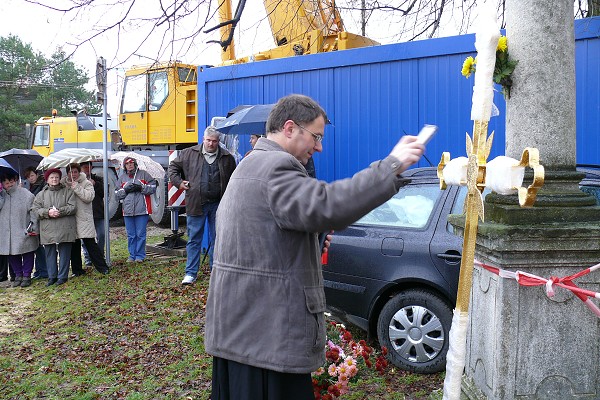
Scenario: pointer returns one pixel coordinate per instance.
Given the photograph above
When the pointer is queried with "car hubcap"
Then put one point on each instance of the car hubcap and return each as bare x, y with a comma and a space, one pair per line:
416, 334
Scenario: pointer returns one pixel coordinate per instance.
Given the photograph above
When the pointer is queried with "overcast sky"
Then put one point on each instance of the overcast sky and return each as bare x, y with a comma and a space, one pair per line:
47, 30
139, 42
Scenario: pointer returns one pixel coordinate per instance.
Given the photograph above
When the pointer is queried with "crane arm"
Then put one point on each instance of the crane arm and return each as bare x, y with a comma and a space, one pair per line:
291, 20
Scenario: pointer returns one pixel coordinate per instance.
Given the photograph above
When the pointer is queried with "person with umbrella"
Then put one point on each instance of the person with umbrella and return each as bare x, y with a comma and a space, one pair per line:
203, 171
55, 207
97, 207
86, 230
19, 242
36, 184
134, 189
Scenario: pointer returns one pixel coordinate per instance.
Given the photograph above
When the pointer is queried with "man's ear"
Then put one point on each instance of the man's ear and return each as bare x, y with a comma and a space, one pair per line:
288, 128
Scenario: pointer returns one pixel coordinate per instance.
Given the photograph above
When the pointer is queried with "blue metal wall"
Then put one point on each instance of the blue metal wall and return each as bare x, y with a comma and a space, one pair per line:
374, 95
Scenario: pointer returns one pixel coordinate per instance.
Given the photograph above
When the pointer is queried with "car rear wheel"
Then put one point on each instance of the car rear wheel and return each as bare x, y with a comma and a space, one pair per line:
414, 325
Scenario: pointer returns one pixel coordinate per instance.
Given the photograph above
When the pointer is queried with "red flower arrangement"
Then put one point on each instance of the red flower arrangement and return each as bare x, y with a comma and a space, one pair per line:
342, 363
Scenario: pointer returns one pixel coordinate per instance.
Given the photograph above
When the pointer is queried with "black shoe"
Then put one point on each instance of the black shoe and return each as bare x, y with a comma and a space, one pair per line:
51, 281
61, 281
26, 282
79, 273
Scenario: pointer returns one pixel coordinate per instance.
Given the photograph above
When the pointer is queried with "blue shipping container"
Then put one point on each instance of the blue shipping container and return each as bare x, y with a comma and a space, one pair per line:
373, 95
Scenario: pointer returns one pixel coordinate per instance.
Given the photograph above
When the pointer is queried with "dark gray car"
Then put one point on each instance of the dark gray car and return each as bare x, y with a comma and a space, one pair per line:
395, 271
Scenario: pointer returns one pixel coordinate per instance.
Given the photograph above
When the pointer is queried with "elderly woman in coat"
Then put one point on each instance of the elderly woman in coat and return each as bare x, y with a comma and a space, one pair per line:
86, 230
18, 243
55, 208
134, 189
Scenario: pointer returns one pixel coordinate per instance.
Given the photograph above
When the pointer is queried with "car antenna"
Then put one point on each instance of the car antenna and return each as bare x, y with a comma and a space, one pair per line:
424, 156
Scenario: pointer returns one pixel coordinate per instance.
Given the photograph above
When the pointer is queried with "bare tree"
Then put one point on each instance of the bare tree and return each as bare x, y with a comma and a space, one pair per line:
174, 28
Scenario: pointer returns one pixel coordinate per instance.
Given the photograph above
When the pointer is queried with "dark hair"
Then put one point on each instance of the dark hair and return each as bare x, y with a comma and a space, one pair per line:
29, 170
9, 176
296, 107
73, 166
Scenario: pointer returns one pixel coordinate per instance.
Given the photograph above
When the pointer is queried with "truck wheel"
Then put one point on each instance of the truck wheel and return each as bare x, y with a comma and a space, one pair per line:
414, 325
114, 206
158, 199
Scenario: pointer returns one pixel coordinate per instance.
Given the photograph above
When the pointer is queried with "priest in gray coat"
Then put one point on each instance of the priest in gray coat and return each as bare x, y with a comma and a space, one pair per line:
265, 326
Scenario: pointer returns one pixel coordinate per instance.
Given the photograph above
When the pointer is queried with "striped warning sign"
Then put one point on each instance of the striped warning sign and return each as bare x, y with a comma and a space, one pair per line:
176, 195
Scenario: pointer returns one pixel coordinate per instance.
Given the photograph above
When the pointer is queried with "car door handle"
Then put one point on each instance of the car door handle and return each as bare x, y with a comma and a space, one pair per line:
449, 257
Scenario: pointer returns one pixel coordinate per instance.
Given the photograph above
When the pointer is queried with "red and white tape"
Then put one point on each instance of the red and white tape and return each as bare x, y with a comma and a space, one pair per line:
527, 279
176, 196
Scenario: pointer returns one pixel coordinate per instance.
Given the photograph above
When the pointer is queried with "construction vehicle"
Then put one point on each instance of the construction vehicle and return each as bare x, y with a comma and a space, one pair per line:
159, 101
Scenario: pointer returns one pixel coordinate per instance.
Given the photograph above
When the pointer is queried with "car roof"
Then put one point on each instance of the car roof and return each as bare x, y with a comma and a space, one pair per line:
592, 174
421, 175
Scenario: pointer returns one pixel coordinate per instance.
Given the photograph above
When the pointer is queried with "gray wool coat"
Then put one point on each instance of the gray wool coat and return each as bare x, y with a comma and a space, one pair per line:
266, 299
61, 229
84, 194
15, 206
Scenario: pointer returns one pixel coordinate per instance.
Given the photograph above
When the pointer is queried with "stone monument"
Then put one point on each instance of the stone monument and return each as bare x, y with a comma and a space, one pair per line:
521, 343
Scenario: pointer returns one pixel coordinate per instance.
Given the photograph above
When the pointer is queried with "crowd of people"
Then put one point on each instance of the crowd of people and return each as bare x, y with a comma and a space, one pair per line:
267, 348
47, 219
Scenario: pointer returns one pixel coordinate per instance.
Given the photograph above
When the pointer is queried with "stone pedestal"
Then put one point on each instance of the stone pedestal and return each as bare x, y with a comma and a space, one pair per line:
522, 344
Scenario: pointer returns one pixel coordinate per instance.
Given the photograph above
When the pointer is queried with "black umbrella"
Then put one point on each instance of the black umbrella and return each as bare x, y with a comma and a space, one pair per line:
21, 159
246, 120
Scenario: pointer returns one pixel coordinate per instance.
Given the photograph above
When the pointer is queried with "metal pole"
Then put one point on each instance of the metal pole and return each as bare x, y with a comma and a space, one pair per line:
101, 77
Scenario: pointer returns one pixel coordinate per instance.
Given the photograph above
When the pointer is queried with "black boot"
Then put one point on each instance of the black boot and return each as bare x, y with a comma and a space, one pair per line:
51, 281
17, 281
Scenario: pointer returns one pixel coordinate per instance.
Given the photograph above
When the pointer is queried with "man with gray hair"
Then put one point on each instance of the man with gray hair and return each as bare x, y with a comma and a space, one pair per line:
203, 171
265, 325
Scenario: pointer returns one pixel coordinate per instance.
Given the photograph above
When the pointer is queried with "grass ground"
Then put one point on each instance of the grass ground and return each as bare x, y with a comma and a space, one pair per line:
134, 334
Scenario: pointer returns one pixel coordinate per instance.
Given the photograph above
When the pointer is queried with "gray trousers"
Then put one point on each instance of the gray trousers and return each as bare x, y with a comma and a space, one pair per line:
55, 253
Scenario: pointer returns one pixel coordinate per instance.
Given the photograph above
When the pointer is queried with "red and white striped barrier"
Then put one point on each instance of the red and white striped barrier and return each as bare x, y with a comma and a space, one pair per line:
176, 195
527, 279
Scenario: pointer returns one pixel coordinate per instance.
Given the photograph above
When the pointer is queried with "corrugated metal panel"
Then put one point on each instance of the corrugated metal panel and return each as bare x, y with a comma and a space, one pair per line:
587, 67
373, 95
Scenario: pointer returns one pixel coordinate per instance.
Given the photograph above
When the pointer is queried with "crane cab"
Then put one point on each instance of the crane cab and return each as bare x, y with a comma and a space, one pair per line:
158, 107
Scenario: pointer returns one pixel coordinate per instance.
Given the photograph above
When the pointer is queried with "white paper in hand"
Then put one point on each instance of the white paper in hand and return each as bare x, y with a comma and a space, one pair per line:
426, 134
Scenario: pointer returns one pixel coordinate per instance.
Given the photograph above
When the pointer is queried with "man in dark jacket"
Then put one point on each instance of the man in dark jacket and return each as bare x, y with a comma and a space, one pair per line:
203, 171
97, 208
265, 323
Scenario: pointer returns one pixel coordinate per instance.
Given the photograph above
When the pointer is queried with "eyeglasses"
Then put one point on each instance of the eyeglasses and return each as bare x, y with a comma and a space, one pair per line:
318, 138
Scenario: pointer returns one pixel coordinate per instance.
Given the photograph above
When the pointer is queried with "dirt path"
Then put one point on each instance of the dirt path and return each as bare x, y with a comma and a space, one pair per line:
15, 302
14, 305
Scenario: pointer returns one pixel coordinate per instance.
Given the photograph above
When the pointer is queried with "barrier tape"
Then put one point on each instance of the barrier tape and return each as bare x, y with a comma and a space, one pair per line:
176, 196
527, 279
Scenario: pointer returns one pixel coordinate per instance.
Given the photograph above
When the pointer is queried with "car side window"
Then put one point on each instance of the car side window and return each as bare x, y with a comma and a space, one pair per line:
411, 207
458, 206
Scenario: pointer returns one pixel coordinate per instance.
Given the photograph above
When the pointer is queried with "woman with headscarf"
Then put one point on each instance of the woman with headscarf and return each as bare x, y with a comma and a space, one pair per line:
55, 208
134, 189
18, 243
